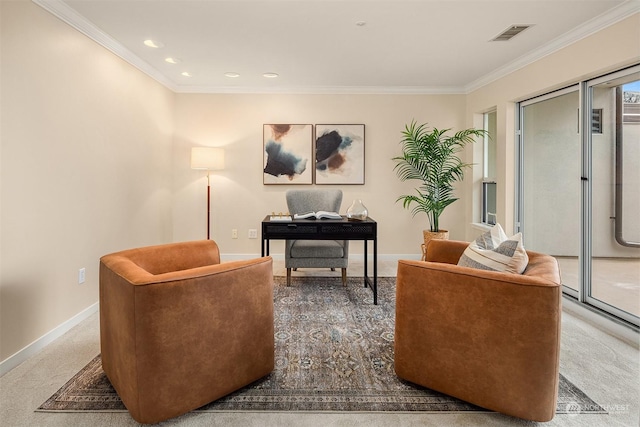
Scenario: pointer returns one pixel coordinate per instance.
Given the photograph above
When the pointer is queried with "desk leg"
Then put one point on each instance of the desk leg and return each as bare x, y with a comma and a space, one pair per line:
263, 253
366, 276
375, 271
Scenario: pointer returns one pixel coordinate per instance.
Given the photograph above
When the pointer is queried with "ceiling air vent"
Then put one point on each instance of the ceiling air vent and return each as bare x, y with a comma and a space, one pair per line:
510, 33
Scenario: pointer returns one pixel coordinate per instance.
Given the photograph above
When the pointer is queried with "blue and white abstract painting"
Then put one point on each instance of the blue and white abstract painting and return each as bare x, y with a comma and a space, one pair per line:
339, 154
287, 154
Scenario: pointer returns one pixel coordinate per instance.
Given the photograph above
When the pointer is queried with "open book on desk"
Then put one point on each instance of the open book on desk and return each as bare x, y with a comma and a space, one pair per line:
318, 215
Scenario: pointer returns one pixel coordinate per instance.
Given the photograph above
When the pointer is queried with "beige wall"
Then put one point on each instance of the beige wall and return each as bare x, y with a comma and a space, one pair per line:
86, 169
240, 200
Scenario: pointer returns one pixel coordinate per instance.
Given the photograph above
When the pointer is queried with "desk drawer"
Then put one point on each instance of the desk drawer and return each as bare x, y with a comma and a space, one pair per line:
292, 229
350, 229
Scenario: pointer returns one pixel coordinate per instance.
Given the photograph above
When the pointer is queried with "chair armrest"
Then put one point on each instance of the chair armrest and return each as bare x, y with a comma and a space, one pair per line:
136, 275
165, 258
445, 251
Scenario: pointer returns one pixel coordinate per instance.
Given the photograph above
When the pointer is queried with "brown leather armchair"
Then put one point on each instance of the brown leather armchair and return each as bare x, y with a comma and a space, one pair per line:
489, 338
178, 329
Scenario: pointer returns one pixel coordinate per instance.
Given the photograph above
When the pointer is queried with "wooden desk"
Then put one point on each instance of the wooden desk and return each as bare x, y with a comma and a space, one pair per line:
327, 229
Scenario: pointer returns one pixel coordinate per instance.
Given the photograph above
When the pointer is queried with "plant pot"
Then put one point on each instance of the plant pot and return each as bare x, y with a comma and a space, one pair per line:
430, 235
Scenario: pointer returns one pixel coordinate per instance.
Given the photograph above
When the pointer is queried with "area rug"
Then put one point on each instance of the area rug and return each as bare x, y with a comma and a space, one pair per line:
334, 352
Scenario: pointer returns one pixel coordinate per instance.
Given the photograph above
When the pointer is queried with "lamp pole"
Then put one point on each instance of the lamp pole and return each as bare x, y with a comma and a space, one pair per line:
209, 159
208, 206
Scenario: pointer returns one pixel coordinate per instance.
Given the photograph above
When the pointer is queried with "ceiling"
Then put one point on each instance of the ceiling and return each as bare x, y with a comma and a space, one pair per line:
335, 46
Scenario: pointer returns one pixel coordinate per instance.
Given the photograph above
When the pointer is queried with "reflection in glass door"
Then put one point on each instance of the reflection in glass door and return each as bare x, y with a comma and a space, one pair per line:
615, 198
550, 180
578, 181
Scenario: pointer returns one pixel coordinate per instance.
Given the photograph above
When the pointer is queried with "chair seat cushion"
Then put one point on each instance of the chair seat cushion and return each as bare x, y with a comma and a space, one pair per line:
317, 249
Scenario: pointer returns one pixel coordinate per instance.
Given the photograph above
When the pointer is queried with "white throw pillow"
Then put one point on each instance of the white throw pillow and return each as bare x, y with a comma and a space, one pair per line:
497, 252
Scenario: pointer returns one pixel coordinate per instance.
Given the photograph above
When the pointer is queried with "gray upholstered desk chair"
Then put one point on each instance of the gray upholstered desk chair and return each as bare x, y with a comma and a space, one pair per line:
315, 253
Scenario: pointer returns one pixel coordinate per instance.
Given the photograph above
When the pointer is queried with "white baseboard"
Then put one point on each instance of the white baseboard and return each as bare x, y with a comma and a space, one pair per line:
12, 361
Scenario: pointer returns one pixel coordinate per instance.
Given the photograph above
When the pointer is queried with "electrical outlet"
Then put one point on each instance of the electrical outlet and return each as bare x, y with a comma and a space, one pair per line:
81, 275
253, 233
234, 233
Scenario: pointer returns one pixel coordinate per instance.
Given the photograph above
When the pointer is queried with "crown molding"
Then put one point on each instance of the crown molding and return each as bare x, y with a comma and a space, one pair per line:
68, 15
328, 90
596, 24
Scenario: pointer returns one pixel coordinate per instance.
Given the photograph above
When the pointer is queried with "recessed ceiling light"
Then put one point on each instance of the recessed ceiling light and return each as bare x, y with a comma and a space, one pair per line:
361, 23
153, 43
186, 74
171, 60
231, 74
270, 75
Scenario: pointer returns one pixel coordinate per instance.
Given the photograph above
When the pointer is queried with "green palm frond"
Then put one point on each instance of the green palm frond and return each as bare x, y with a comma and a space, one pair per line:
430, 156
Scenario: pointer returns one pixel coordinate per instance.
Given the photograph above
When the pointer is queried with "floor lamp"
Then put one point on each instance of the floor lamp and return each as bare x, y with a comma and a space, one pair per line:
209, 159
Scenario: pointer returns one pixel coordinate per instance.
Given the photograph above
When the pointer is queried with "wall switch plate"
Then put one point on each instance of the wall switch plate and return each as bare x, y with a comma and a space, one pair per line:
253, 233
234, 233
81, 275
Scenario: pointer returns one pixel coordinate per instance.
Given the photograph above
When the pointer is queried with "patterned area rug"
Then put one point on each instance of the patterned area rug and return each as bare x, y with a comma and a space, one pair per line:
334, 352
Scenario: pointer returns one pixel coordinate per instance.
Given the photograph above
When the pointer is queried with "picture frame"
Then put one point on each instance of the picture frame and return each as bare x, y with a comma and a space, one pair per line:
339, 153
288, 154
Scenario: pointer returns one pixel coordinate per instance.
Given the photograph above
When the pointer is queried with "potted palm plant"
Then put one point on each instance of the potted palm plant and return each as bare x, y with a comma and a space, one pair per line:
430, 157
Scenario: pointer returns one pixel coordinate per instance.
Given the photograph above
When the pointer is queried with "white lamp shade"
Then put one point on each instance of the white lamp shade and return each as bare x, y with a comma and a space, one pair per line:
209, 158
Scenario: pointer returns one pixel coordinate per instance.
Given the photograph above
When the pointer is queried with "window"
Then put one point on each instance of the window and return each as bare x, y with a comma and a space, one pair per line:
489, 170
596, 120
489, 202
631, 103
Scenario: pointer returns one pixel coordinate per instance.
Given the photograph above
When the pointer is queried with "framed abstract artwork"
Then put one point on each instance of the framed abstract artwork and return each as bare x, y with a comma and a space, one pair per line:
288, 154
339, 154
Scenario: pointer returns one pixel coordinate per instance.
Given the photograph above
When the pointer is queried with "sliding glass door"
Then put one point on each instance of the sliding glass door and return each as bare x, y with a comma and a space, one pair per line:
549, 214
578, 188
614, 142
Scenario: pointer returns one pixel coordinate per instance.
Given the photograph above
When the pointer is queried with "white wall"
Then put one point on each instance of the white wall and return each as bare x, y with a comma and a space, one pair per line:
86, 169
240, 200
